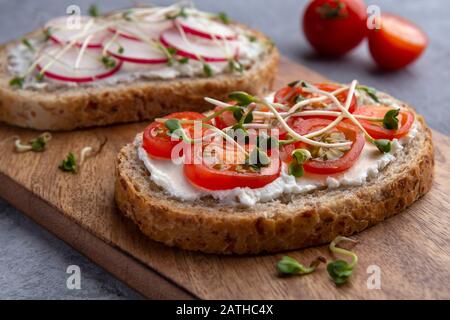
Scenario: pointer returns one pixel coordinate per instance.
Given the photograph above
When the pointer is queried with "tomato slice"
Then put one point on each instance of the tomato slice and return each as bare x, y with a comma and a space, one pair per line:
289, 95
223, 174
397, 44
226, 119
326, 161
376, 129
157, 141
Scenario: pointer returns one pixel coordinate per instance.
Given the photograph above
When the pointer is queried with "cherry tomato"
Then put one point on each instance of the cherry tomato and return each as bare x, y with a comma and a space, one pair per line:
288, 95
334, 27
322, 165
157, 141
225, 175
398, 42
376, 129
226, 119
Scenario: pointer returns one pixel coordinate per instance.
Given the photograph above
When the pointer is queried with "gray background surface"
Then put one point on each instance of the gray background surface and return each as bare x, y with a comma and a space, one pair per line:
33, 262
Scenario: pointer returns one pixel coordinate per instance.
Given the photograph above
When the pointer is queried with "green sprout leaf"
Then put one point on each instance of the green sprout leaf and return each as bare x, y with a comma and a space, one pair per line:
252, 38
266, 142
223, 17
47, 33
383, 145
242, 98
39, 77
127, 15
173, 125
259, 158
17, 82
390, 120
38, 144
69, 164
121, 50
295, 169
28, 44
300, 156
339, 271
207, 70
289, 266
371, 92
293, 83
235, 65
183, 60
93, 11
108, 62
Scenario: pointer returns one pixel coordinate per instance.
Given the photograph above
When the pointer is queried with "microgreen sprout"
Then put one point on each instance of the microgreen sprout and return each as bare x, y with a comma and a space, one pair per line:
383, 145
93, 11
341, 270
28, 44
371, 92
222, 16
242, 98
121, 50
47, 33
173, 125
299, 157
69, 164
207, 70
183, 60
108, 62
235, 65
258, 157
39, 77
37, 144
17, 82
390, 120
288, 266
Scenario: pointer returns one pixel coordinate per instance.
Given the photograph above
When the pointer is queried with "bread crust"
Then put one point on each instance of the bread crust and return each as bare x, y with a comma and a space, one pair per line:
70, 109
302, 221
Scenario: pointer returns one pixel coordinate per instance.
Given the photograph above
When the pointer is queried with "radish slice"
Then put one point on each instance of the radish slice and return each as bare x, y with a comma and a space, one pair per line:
91, 67
209, 50
63, 30
132, 30
136, 52
206, 28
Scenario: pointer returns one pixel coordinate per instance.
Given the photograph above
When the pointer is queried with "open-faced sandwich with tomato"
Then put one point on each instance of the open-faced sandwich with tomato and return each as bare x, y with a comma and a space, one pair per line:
129, 65
264, 174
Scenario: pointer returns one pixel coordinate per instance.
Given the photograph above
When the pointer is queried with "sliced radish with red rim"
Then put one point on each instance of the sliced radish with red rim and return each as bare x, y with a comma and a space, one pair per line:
206, 28
135, 30
136, 52
65, 29
90, 68
209, 50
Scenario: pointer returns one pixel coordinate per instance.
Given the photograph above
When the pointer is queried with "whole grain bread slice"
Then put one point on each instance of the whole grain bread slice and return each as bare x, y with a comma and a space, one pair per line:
290, 222
72, 108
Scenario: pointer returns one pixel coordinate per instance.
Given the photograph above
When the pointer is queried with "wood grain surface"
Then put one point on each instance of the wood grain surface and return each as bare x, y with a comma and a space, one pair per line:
412, 249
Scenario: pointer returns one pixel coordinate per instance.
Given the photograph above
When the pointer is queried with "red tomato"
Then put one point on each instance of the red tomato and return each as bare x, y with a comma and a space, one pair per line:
287, 93
223, 175
320, 166
376, 129
398, 42
224, 120
157, 141
334, 27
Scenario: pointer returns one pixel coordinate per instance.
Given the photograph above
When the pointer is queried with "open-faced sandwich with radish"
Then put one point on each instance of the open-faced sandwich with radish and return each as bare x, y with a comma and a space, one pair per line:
262, 174
129, 65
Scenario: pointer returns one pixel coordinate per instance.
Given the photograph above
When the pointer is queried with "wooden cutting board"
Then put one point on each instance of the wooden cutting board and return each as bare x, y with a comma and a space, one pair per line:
411, 249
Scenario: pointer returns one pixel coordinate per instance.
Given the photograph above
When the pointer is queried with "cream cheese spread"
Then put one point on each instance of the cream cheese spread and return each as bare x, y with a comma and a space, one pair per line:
20, 58
170, 177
